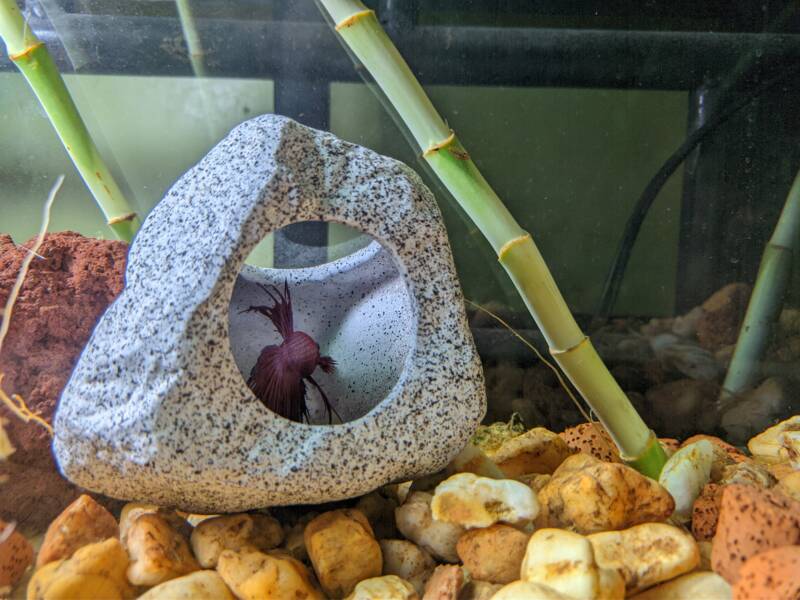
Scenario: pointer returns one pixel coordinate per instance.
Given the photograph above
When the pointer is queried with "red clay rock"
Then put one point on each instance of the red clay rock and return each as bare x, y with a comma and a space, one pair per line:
591, 438
773, 575
16, 555
752, 521
705, 512
62, 298
722, 316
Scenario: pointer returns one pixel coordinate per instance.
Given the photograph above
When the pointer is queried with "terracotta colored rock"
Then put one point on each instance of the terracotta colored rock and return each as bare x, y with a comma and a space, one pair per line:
493, 554
722, 316
705, 512
774, 574
16, 555
587, 496
61, 300
752, 521
343, 550
83, 522
445, 583
591, 438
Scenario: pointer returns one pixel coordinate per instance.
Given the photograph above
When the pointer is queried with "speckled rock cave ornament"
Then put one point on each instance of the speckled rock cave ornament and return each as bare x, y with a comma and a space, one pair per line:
158, 409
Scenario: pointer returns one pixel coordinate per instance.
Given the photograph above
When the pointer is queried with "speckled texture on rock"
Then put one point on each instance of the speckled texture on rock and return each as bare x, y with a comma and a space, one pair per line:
157, 409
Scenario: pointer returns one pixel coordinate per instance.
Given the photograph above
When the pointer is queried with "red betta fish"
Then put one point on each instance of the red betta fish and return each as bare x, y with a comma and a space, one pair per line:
279, 375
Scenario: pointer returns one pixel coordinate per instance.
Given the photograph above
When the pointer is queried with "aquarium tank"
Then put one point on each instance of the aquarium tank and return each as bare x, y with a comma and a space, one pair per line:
370, 299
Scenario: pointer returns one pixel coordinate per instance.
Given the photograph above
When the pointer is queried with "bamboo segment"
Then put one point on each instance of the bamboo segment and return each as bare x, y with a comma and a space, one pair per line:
766, 301
193, 44
516, 250
33, 60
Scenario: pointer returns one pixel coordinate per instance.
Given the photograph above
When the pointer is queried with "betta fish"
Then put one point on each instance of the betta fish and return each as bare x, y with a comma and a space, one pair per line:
279, 375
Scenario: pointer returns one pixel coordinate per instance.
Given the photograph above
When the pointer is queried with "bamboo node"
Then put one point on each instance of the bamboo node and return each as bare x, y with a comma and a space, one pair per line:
574, 348
440, 145
121, 218
506, 248
353, 19
24, 53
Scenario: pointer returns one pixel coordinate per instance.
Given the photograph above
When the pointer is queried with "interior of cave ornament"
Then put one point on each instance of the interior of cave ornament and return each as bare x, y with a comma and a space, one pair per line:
158, 409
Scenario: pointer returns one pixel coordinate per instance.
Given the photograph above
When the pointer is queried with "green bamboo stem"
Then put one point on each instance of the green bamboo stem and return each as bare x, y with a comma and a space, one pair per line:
193, 44
516, 251
32, 58
766, 301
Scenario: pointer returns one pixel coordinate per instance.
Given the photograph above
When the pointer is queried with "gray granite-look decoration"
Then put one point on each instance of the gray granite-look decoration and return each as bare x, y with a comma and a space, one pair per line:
157, 409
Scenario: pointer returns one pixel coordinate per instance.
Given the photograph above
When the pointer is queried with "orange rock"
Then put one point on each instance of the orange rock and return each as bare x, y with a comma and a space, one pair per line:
591, 438
705, 512
445, 583
732, 451
772, 574
752, 521
16, 555
82, 523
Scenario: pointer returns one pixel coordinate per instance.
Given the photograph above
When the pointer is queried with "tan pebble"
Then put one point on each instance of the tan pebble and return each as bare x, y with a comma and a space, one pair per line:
415, 521
472, 501
535, 481
408, 561
446, 583
528, 590
780, 470
732, 452
200, 585
83, 522
565, 561
157, 550
472, 459
752, 521
493, 554
134, 510
646, 554
705, 512
705, 555
790, 485
536, 451
774, 574
234, 532
94, 571
700, 585
388, 587
253, 575
588, 496
479, 590
592, 438
342, 550
747, 472
379, 511
16, 555
768, 446
790, 446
